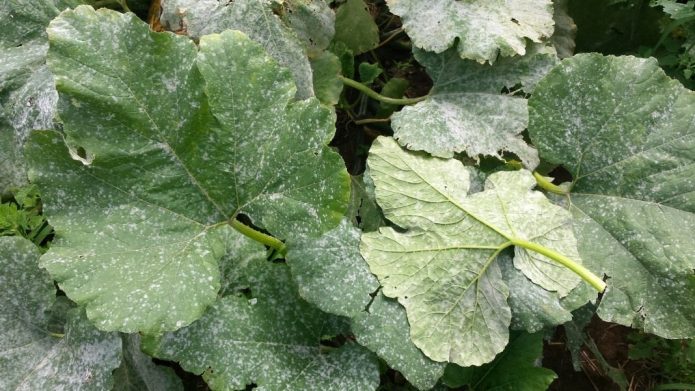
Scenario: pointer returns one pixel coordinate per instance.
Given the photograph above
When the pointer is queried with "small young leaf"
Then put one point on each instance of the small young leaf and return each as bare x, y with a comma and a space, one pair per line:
369, 72
355, 27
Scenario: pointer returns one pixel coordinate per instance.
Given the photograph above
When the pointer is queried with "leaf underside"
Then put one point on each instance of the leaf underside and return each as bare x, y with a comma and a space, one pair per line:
484, 28
443, 269
462, 111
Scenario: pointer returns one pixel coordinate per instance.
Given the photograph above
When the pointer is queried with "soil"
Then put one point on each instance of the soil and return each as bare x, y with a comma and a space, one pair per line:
612, 342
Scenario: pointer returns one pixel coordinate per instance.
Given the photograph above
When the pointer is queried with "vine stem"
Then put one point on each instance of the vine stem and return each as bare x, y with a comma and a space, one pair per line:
268, 240
580, 270
372, 121
377, 96
545, 184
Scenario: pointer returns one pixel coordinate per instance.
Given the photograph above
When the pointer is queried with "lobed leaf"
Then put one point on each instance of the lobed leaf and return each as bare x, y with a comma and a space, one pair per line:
443, 269
484, 28
161, 153
625, 132
462, 111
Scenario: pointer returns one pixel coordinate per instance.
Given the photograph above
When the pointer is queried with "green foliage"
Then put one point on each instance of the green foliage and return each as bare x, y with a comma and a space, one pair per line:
22, 216
201, 208
672, 361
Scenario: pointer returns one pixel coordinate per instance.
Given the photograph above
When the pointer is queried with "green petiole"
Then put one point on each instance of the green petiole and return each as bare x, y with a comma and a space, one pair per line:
545, 184
580, 270
377, 96
260, 237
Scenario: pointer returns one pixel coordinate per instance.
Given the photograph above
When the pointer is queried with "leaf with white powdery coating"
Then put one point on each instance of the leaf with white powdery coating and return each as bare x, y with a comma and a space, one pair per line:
271, 339
253, 17
384, 329
462, 111
484, 28
139, 373
149, 196
31, 357
444, 270
27, 91
330, 271
626, 133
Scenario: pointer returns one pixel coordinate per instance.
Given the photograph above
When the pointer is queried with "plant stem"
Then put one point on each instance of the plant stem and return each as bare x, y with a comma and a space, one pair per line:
372, 121
676, 386
377, 96
580, 270
545, 184
267, 240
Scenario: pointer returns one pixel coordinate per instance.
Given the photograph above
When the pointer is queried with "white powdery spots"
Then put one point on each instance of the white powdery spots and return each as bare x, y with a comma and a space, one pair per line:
485, 28
330, 271
385, 330
446, 261
33, 359
627, 134
465, 111
271, 339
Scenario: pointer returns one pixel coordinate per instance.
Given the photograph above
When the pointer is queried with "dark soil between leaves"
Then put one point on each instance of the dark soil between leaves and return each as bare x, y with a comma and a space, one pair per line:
612, 341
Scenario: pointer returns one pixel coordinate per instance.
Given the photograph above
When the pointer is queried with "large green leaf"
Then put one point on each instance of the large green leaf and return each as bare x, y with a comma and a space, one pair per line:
138, 373
484, 28
269, 337
384, 329
443, 269
462, 111
33, 354
256, 19
330, 271
626, 133
140, 208
514, 369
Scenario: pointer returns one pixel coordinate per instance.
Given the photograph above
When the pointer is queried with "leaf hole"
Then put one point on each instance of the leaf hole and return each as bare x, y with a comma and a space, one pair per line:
81, 155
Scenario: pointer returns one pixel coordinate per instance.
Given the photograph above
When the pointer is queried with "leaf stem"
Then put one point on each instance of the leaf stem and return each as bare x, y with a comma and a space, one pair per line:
377, 96
580, 270
545, 184
372, 121
260, 237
